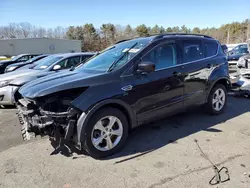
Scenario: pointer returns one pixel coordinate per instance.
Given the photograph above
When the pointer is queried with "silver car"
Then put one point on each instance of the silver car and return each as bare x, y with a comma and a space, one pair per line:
11, 82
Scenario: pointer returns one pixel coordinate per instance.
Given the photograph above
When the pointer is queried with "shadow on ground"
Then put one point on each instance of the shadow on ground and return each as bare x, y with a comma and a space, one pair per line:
150, 137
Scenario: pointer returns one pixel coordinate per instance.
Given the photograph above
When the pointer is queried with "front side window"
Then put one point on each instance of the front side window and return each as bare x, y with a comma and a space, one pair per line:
210, 48
163, 56
115, 56
46, 62
192, 50
69, 62
24, 58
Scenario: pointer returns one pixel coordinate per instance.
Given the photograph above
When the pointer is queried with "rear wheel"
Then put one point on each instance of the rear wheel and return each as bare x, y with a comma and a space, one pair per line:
106, 133
217, 99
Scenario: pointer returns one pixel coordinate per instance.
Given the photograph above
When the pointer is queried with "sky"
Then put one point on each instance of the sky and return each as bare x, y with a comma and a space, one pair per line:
166, 13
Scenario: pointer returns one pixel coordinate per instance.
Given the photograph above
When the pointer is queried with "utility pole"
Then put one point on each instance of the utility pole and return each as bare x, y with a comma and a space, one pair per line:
228, 36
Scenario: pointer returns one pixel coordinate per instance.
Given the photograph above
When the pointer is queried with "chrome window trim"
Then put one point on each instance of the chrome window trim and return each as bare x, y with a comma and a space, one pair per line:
192, 61
182, 64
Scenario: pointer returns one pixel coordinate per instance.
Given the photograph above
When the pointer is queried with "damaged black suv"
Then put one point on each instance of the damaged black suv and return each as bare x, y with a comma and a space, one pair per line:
129, 84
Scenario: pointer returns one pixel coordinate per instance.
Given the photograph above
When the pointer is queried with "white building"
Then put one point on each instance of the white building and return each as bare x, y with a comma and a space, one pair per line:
13, 47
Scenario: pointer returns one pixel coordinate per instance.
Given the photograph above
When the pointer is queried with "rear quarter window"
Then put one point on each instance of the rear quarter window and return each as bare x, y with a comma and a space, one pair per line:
210, 48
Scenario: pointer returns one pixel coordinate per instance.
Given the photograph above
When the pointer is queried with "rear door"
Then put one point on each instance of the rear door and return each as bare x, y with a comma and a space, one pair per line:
197, 69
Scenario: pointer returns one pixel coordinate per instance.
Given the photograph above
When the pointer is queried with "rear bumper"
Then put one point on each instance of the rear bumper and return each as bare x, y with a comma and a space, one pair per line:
7, 95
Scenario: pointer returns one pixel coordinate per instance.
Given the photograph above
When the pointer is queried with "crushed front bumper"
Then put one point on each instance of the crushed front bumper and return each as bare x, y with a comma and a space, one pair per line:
36, 121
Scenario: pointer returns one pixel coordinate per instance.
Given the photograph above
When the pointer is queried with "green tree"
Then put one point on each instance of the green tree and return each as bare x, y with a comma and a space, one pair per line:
176, 29
162, 30
155, 30
70, 33
128, 32
142, 30
184, 29
196, 30
169, 30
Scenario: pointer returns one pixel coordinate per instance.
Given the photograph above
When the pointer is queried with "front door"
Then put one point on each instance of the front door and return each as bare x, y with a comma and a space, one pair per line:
159, 93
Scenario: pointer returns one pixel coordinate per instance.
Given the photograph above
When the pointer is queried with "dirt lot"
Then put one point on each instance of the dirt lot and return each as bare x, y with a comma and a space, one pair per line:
162, 154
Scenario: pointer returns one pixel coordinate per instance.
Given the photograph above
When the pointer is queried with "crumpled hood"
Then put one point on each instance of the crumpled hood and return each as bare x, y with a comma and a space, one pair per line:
57, 82
19, 73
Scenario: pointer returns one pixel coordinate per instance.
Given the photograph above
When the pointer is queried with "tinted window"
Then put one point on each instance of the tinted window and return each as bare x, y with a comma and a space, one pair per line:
24, 58
211, 49
85, 58
192, 50
69, 62
241, 51
163, 56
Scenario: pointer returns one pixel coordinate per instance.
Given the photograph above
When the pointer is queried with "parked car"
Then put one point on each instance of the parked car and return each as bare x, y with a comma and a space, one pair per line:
31, 62
129, 84
16, 59
12, 81
236, 53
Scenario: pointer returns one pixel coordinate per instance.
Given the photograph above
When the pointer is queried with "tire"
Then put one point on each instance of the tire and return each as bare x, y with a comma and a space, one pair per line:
117, 133
213, 107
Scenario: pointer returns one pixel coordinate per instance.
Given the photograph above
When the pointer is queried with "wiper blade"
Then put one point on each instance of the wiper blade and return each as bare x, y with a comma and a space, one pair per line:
112, 66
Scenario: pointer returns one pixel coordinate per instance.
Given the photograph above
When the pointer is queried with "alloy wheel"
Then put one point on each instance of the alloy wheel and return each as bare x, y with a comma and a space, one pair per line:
107, 133
219, 99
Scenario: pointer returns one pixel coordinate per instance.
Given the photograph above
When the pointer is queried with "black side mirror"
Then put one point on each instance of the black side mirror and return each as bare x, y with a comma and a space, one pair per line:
145, 67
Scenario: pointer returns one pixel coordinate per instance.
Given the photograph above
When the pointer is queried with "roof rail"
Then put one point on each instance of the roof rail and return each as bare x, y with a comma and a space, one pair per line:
175, 34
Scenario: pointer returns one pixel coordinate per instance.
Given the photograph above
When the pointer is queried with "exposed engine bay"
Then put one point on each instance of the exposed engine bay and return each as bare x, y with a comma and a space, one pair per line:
48, 116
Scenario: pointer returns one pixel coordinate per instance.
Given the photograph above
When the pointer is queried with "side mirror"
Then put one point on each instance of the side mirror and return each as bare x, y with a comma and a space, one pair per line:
145, 67
57, 67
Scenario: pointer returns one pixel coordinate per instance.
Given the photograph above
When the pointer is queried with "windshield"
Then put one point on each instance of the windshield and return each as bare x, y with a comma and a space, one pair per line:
118, 54
46, 62
33, 59
16, 57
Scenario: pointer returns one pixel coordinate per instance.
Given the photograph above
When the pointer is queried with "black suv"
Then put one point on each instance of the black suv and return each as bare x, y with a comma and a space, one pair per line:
129, 84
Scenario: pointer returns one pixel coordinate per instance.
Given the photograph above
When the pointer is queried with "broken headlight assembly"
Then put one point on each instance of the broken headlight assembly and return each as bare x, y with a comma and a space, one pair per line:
51, 116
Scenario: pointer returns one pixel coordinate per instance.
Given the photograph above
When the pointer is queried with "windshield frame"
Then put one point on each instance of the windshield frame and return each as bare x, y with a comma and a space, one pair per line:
143, 42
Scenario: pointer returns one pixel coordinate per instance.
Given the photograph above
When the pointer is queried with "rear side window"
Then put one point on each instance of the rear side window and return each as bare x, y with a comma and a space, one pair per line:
210, 48
192, 50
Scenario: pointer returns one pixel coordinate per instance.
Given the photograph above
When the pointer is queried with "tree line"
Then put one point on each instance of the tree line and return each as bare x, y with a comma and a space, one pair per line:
96, 39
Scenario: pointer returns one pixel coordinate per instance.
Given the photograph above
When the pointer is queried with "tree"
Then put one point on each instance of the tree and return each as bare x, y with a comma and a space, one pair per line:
155, 30
162, 30
109, 33
128, 32
89, 40
142, 30
70, 33
184, 29
169, 30
176, 29
196, 30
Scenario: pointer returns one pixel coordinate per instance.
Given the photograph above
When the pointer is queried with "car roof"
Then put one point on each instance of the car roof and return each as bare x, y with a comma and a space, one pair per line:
77, 53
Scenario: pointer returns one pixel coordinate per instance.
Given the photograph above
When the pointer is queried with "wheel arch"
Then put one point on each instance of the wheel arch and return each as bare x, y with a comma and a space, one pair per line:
114, 103
224, 81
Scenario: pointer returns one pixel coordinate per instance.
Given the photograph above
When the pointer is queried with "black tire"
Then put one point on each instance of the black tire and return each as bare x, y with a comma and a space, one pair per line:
209, 106
88, 145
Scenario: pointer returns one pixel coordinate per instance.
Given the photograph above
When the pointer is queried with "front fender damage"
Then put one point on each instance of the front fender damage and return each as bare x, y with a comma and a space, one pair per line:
54, 117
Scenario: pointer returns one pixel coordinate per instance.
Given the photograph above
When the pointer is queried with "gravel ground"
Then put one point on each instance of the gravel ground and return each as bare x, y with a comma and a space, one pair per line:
163, 154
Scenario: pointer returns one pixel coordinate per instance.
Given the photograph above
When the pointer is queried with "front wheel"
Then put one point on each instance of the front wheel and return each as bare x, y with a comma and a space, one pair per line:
217, 99
106, 133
